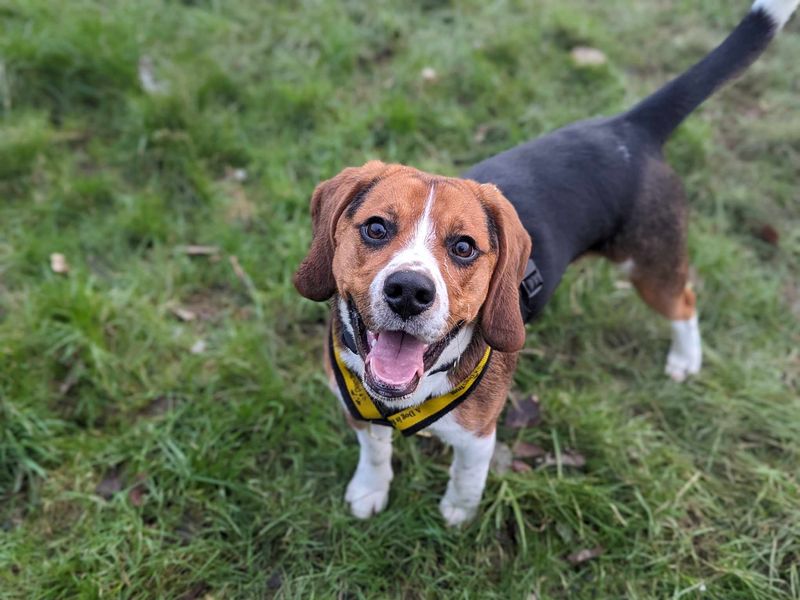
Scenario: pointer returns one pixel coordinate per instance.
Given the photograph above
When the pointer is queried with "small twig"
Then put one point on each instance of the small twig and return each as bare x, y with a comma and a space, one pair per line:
198, 250
248, 283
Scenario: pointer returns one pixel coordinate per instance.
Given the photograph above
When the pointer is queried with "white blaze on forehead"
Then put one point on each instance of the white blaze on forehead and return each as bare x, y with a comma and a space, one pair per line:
426, 232
415, 255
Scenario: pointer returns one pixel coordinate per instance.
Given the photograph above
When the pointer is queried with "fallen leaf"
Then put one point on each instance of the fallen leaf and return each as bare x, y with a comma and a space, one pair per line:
137, 493
520, 466
524, 413
581, 556
429, 74
501, 459
184, 314
147, 77
198, 250
58, 263
206, 304
769, 234
110, 484
525, 450
568, 459
233, 174
584, 56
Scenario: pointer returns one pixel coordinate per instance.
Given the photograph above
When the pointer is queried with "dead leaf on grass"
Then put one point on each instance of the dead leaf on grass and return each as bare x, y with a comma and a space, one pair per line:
58, 263
204, 305
137, 493
110, 484
148, 79
525, 450
184, 314
582, 556
198, 250
501, 459
234, 174
524, 413
767, 233
429, 74
584, 56
568, 458
520, 466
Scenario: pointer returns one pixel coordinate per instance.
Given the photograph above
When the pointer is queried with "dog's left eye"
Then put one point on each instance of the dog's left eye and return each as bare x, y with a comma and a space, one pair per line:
463, 249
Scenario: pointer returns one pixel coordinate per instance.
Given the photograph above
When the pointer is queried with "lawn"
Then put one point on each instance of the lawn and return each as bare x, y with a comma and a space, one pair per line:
166, 430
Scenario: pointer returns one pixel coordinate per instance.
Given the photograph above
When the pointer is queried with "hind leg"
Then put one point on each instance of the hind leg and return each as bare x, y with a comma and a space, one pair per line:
675, 300
686, 352
652, 249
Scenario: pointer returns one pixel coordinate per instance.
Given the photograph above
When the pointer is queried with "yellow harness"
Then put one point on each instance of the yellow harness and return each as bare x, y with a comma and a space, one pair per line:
408, 420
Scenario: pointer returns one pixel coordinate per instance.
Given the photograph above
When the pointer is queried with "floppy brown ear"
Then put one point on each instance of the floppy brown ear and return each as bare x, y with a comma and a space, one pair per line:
501, 318
314, 277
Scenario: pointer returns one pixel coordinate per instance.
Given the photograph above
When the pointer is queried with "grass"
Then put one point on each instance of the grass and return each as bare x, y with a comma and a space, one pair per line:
143, 455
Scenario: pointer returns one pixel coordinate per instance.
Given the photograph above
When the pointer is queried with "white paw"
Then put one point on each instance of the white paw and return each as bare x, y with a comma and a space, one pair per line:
686, 352
680, 366
456, 515
368, 495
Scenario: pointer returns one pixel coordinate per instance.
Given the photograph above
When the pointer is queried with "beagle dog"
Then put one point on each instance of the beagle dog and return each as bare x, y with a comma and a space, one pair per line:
431, 279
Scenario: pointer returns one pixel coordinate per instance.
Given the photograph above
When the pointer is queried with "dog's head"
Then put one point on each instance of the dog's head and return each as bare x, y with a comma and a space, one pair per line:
415, 257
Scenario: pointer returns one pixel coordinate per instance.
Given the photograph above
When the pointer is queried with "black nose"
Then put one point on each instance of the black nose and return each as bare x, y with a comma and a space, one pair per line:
408, 293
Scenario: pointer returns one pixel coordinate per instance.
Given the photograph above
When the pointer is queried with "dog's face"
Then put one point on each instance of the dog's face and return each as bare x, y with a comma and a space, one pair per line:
414, 258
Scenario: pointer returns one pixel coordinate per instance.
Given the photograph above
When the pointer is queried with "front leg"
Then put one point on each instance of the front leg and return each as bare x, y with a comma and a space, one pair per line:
471, 457
368, 490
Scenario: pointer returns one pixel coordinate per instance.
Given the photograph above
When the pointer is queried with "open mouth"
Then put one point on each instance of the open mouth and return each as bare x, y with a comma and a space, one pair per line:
394, 361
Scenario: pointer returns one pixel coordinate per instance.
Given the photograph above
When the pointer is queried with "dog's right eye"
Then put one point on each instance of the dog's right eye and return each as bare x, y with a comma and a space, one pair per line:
374, 230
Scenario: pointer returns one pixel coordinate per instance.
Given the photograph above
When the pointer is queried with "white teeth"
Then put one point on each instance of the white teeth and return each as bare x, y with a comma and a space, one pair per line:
371, 339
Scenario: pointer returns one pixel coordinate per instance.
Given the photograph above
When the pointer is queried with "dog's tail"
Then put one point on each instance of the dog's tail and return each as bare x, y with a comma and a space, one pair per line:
663, 111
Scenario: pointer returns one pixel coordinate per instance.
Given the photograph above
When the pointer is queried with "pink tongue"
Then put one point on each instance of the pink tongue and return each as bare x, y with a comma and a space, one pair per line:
396, 357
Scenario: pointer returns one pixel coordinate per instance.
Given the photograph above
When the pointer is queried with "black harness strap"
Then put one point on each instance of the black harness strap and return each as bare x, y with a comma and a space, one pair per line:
532, 284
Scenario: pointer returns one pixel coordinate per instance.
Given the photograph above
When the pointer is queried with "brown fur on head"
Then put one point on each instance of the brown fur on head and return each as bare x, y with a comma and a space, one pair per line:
314, 277
486, 289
